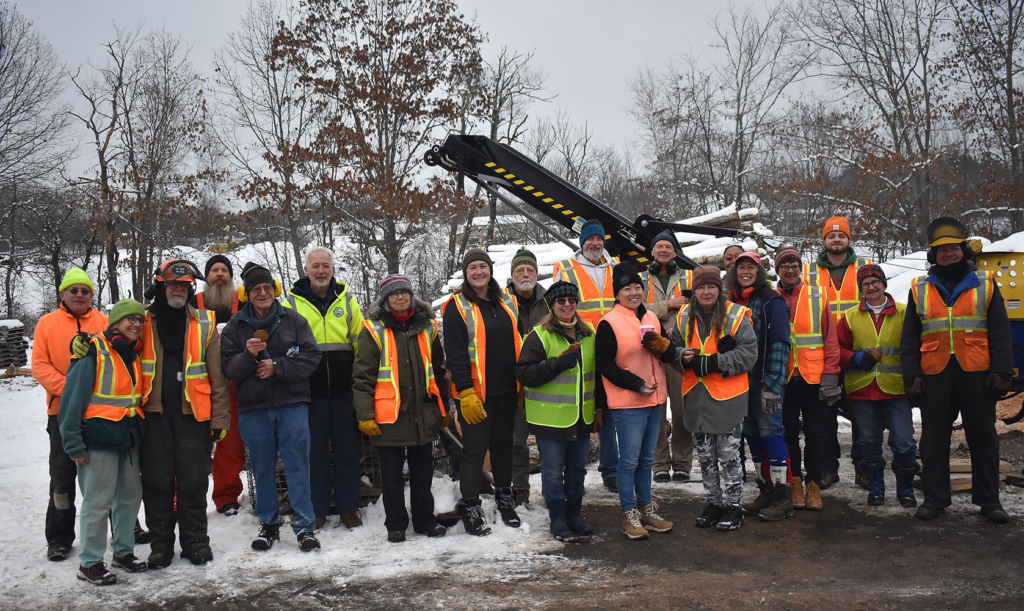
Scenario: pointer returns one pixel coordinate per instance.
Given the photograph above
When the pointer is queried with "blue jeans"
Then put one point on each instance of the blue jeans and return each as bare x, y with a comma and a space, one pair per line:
333, 419
563, 467
637, 430
872, 417
608, 447
111, 487
291, 426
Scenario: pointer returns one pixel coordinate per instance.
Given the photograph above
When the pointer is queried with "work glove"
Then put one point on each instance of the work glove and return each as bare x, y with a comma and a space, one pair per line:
704, 365
218, 434
862, 359
997, 384
915, 388
726, 343
445, 421
80, 345
656, 343
598, 420
370, 427
770, 402
471, 408
567, 360
829, 390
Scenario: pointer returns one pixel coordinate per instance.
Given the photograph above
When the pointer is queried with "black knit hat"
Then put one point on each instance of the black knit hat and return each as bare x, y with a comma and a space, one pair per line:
254, 275
215, 259
623, 275
476, 254
561, 289
668, 236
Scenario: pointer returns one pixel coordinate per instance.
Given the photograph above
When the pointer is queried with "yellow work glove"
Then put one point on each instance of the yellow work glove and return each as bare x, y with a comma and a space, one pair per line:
370, 427
218, 434
471, 407
80, 345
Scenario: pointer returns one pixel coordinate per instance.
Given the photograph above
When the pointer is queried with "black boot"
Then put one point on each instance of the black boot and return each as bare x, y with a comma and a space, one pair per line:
506, 501
141, 535
473, 517
573, 506
875, 470
265, 538
905, 486
559, 527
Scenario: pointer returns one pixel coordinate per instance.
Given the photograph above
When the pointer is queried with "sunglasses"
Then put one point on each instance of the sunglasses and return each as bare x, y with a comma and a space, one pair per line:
564, 300
135, 320
78, 291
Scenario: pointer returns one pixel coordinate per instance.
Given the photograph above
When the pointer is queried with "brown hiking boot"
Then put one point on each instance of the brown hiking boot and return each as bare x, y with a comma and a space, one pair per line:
813, 496
799, 502
320, 522
781, 506
631, 526
351, 519
652, 521
763, 500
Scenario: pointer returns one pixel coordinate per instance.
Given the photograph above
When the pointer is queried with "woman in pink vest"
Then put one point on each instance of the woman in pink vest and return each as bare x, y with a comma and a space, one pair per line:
635, 388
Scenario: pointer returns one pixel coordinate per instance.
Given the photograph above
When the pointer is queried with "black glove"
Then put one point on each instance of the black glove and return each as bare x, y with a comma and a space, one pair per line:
862, 359
703, 365
997, 384
567, 360
218, 434
726, 343
914, 387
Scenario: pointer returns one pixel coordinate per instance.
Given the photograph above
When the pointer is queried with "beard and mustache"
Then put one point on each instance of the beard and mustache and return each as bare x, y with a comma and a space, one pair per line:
219, 296
525, 286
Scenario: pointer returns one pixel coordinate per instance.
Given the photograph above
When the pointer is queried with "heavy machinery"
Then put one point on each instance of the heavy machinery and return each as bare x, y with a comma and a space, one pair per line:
1008, 270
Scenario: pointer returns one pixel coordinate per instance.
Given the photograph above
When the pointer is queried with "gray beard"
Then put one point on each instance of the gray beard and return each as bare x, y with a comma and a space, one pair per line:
176, 302
526, 286
219, 296
595, 259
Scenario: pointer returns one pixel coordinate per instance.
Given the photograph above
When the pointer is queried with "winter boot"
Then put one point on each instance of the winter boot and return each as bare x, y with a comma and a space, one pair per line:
763, 500
710, 516
732, 519
59, 551
861, 477
813, 496
799, 501
160, 559
522, 497
573, 506
782, 504
652, 521
130, 563
875, 470
631, 526
265, 538
905, 486
198, 554
141, 534
473, 517
97, 574
308, 541
506, 501
559, 527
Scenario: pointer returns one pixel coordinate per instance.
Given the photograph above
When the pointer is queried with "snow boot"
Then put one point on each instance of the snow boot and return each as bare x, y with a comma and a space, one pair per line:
662, 477
130, 563
652, 521
265, 538
905, 486
875, 470
710, 516
799, 500
732, 519
763, 500
559, 527
505, 498
573, 507
308, 541
141, 534
631, 526
160, 559
473, 517
59, 551
97, 574
781, 506
198, 554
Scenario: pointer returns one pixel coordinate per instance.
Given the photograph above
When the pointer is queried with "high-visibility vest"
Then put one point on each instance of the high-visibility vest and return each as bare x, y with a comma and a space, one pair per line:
386, 397
960, 329
333, 331
593, 303
633, 357
841, 299
887, 371
806, 335
557, 404
685, 279
477, 336
721, 388
198, 335
201, 303
114, 394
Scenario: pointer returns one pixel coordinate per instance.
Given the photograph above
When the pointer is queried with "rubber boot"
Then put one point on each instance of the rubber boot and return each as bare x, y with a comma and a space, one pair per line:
905, 486
799, 501
573, 506
559, 527
875, 470
763, 500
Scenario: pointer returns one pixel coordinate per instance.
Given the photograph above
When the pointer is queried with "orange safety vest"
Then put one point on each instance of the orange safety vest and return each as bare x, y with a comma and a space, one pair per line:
593, 303
634, 358
477, 343
197, 377
960, 329
806, 334
386, 396
234, 303
721, 388
843, 298
114, 394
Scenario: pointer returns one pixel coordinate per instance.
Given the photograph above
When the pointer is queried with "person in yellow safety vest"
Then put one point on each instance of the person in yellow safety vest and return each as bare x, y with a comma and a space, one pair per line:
715, 346
187, 405
869, 346
482, 343
401, 394
558, 369
335, 318
956, 354
835, 271
101, 424
668, 290
590, 269
813, 376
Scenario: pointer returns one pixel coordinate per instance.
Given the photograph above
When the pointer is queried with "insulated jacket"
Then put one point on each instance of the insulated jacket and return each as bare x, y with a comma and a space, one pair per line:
838, 281
481, 336
770, 319
419, 414
624, 364
291, 346
814, 349
530, 311
593, 281
657, 298
336, 321
51, 348
861, 329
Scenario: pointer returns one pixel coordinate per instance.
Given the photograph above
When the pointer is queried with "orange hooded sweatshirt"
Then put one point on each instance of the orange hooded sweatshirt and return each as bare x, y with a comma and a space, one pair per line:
51, 349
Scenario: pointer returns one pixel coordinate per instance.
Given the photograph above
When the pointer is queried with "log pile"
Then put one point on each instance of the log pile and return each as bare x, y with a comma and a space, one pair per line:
13, 344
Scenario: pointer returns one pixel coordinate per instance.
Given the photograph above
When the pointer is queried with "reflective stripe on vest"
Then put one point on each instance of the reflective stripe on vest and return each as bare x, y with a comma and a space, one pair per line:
198, 335
593, 303
887, 371
807, 342
387, 399
960, 329
842, 299
720, 388
557, 404
114, 395
333, 333
477, 338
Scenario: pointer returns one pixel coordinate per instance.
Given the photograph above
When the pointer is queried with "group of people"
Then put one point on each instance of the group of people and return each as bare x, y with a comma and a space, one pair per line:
137, 400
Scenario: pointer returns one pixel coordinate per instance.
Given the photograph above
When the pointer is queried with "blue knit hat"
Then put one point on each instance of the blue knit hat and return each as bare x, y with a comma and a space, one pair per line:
666, 235
590, 229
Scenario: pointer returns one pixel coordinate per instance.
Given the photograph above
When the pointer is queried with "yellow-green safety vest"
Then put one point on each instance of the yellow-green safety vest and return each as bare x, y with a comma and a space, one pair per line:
557, 403
887, 371
338, 329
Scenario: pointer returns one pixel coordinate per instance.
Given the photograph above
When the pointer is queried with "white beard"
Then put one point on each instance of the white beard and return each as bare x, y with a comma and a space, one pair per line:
219, 296
526, 286
594, 258
176, 301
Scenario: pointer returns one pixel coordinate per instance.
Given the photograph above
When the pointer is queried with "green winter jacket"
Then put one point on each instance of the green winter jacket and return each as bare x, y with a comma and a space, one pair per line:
80, 435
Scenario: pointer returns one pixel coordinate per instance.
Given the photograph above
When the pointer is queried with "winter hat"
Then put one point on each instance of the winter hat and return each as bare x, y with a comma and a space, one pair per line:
668, 236
869, 270
624, 274
215, 259
476, 254
561, 289
392, 283
125, 307
836, 223
753, 256
76, 275
590, 229
706, 274
254, 275
787, 253
523, 256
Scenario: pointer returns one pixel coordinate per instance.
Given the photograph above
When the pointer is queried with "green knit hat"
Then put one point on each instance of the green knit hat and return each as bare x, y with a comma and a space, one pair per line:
125, 307
523, 256
76, 275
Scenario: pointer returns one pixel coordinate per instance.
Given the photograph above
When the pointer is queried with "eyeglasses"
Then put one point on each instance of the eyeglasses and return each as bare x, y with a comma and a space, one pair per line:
77, 291
262, 288
179, 286
566, 300
399, 293
870, 284
135, 320
788, 267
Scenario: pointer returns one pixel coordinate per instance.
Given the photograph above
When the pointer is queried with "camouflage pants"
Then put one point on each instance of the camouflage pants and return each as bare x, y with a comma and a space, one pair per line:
720, 466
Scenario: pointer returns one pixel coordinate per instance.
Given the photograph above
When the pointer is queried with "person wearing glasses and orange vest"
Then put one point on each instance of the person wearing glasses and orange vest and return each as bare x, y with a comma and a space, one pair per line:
835, 271
51, 355
957, 357
590, 269
668, 288
482, 343
101, 424
401, 395
187, 405
813, 376
221, 297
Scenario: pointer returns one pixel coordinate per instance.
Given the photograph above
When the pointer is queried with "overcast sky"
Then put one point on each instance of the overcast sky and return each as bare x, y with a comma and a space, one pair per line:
588, 50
